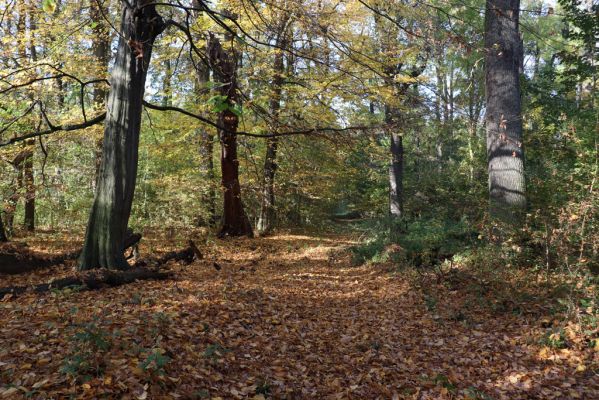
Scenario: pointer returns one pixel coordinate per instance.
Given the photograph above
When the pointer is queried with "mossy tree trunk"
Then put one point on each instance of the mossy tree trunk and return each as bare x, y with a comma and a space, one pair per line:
103, 248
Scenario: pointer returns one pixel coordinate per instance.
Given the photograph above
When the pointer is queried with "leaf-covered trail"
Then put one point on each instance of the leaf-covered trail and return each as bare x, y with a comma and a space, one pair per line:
283, 317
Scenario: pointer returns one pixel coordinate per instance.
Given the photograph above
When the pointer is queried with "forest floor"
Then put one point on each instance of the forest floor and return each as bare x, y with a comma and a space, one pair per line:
283, 317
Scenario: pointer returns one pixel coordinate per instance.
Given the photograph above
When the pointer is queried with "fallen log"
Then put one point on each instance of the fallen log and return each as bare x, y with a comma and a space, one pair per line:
91, 280
186, 256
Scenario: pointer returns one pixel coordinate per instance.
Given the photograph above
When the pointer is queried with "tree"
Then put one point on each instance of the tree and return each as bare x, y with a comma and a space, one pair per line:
398, 74
224, 66
3, 237
101, 51
140, 26
206, 138
267, 203
503, 118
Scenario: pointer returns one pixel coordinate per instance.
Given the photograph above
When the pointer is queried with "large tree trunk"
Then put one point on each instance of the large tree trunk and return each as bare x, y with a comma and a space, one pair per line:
223, 63
267, 206
140, 25
396, 165
503, 55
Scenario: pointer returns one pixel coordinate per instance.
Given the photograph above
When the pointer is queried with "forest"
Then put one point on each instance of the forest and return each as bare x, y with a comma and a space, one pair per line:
299, 199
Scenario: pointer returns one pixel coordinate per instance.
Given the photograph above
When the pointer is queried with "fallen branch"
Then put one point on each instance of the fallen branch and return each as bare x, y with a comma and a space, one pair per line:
186, 256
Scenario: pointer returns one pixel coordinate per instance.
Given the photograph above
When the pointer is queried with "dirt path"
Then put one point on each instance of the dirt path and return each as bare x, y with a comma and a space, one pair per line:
284, 318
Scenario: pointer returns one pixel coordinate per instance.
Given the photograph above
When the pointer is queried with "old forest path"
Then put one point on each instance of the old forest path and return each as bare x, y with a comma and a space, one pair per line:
280, 317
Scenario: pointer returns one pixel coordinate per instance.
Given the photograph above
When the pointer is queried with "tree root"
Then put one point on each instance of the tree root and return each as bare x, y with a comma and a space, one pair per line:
91, 280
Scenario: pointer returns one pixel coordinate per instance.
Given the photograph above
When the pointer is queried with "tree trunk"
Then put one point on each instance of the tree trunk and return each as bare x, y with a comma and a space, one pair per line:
167, 89
140, 25
29, 184
208, 196
503, 116
396, 176
3, 237
101, 50
223, 63
267, 206
396, 164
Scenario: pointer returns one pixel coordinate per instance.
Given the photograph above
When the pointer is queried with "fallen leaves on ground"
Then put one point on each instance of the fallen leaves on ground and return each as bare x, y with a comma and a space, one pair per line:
285, 317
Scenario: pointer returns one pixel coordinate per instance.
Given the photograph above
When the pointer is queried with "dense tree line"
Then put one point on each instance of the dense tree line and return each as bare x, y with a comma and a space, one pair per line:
258, 115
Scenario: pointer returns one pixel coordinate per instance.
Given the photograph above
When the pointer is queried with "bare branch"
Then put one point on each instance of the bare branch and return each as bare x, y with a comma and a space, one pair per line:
52, 129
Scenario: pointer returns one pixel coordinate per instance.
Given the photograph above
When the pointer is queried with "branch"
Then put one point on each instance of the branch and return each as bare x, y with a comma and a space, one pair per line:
53, 129
308, 131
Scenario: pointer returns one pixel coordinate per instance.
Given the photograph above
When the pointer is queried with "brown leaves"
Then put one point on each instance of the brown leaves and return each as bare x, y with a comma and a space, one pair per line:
137, 48
298, 327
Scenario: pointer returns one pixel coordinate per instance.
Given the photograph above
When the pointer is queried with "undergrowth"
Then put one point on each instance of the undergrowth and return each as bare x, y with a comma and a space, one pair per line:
518, 275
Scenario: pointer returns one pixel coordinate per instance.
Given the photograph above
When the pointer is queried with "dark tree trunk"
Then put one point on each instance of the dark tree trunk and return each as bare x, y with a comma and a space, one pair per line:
29, 184
103, 248
223, 63
167, 89
503, 56
396, 165
17, 188
396, 176
3, 237
267, 206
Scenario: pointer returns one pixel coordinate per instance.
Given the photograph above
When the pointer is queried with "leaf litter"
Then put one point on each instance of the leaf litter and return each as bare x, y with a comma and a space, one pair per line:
284, 317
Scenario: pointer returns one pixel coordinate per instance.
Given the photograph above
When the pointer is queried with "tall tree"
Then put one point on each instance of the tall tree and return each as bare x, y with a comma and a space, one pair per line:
503, 59
140, 25
101, 52
224, 66
206, 139
267, 203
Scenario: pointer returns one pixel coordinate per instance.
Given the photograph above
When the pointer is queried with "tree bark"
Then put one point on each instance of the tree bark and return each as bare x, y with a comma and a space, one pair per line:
223, 63
396, 197
29, 184
267, 206
101, 50
208, 196
503, 47
3, 237
140, 25
206, 149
